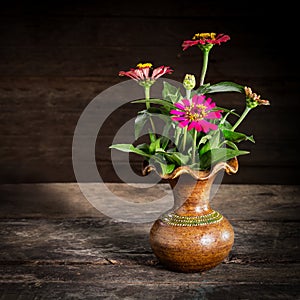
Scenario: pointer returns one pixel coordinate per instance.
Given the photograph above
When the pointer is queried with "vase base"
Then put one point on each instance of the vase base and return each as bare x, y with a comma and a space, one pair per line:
191, 249
189, 269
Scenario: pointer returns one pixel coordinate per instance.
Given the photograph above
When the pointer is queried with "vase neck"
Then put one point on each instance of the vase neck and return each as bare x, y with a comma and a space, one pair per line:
191, 196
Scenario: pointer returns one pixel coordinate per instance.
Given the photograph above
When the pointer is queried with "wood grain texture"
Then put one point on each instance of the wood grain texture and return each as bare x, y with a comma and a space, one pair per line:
56, 57
65, 200
55, 245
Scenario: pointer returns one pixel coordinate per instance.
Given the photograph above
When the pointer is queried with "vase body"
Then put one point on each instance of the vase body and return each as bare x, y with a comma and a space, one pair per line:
192, 237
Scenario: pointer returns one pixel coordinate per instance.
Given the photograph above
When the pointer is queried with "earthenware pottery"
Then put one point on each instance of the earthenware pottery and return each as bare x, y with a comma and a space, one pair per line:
192, 237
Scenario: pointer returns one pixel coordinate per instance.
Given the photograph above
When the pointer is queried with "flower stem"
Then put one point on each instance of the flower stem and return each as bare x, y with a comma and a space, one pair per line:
147, 96
194, 146
188, 94
241, 118
204, 65
184, 138
177, 137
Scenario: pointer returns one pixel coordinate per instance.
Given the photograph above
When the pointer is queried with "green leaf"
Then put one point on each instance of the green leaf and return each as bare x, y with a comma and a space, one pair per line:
145, 115
164, 141
130, 148
144, 147
177, 157
214, 156
231, 145
152, 137
154, 145
201, 90
165, 103
167, 169
236, 137
212, 143
139, 123
228, 111
171, 92
159, 161
205, 139
224, 86
224, 124
215, 140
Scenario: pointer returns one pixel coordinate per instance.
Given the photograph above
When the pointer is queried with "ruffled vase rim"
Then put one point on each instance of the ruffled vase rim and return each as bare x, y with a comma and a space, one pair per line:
231, 167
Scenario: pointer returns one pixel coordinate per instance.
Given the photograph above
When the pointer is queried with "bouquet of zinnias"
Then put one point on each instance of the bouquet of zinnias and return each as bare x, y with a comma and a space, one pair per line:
197, 133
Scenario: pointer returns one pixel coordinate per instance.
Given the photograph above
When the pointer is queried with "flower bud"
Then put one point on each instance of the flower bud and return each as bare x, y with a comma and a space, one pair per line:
253, 100
189, 82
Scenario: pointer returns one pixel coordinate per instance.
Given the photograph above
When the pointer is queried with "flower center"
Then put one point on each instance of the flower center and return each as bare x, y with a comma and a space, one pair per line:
196, 112
204, 36
143, 66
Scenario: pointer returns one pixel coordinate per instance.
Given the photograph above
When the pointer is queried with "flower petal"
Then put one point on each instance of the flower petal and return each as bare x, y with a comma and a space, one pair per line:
183, 123
160, 71
177, 112
178, 118
208, 101
192, 125
146, 72
198, 127
186, 102
198, 99
207, 126
179, 105
131, 74
213, 115
188, 43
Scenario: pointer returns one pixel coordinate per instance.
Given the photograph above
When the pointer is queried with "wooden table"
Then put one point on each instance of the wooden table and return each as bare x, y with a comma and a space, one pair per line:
56, 245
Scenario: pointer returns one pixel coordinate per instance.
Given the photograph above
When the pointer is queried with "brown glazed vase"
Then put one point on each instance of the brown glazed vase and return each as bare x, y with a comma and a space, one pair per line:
192, 237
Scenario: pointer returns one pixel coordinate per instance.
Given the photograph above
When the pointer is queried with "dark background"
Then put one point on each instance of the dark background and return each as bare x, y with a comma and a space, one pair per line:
55, 57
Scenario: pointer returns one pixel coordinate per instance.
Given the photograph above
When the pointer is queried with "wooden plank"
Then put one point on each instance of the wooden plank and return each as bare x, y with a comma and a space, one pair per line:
61, 170
54, 61
37, 148
54, 257
55, 94
214, 9
75, 93
224, 274
97, 240
101, 19
31, 157
65, 200
257, 241
39, 289
54, 244
62, 51
97, 27
55, 57
35, 125
80, 61
117, 118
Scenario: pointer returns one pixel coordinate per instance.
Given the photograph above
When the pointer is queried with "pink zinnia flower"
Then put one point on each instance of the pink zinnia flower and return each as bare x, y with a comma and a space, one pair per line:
204, 39
195, 113
142, 72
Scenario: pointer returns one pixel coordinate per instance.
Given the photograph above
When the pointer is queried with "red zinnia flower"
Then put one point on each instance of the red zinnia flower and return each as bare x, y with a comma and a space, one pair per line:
142, 73
204, 39
195, 113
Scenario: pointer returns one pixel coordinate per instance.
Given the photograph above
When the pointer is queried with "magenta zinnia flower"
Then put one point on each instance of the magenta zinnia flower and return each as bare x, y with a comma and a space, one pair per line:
141, 73
195, 113
204, 39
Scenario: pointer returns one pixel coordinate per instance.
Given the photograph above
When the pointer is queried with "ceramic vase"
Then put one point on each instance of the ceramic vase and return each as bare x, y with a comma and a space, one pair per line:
192, 237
